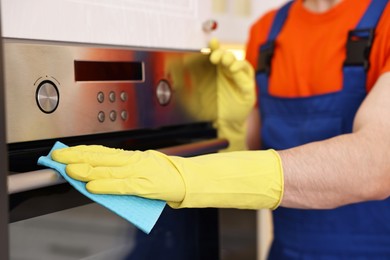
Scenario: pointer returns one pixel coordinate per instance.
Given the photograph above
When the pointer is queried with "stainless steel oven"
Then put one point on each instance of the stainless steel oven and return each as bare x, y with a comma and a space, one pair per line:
117, 96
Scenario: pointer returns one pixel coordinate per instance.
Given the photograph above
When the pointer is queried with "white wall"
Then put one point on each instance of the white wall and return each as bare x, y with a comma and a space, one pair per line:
234, 17
149, 23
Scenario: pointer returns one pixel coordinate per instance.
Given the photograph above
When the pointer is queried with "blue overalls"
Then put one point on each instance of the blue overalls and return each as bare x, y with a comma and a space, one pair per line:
358, 231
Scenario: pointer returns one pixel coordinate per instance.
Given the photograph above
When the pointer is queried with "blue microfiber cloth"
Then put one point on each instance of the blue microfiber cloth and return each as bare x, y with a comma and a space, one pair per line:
141, 212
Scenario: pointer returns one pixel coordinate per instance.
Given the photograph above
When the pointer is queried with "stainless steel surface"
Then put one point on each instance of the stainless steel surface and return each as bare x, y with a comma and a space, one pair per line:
35, 70
47, 177
33, 180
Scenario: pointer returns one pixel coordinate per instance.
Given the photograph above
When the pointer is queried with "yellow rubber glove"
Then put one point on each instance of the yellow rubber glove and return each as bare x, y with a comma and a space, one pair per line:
219, 89
245, 179
235, 94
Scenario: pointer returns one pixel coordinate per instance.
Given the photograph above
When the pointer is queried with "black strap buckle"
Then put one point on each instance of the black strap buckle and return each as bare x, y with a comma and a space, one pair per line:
358, 48
265, 57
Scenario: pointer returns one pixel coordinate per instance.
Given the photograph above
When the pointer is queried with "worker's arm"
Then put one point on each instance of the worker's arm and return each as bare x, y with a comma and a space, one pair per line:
345, 169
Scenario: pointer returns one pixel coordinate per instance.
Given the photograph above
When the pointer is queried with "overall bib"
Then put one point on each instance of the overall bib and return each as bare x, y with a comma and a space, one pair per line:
357, 231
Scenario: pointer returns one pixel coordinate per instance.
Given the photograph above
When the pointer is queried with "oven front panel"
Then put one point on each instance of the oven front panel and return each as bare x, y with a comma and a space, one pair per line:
114, 96
60, 90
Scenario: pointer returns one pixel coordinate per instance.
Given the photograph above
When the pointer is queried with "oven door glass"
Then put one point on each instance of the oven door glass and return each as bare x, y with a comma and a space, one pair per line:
93, 232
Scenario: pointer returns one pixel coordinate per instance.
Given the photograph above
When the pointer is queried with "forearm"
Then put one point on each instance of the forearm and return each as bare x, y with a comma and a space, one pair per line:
345, 169
342, 170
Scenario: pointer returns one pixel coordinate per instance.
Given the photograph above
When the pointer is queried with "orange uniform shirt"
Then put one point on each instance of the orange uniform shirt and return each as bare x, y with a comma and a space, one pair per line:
310, 49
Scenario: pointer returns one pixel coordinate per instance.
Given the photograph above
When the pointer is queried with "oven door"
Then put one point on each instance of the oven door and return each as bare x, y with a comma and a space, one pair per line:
51, 220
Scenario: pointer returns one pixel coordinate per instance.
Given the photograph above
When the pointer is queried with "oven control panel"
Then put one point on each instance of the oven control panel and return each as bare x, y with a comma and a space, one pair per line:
56, 90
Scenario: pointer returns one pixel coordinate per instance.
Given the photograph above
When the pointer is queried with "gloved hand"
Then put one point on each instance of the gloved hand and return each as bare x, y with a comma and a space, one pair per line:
245, 179
216, 88
235, 94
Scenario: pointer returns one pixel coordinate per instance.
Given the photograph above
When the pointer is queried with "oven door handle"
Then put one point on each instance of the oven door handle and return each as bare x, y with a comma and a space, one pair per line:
48, 177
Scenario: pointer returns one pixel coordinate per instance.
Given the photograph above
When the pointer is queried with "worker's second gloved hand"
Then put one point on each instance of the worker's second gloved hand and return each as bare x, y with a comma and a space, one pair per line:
245, 179
235, 94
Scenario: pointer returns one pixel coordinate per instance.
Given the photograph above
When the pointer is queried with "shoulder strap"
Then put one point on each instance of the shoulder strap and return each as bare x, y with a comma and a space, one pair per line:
278, 22
267, 49
372, 14
360, 39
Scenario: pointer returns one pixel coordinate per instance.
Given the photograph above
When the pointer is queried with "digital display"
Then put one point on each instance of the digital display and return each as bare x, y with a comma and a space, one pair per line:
108, 71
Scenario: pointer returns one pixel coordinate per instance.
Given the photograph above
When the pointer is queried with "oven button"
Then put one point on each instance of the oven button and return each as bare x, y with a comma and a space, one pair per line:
101, 116
100, 97
163, 92
113, 115
123, 96
124, 115
47, 96
111, 96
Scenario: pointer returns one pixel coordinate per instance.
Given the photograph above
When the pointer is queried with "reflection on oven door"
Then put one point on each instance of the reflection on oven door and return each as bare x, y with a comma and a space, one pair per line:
92, 232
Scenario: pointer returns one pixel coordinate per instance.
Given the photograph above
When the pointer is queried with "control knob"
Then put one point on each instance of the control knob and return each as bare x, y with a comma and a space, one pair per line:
47, 96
